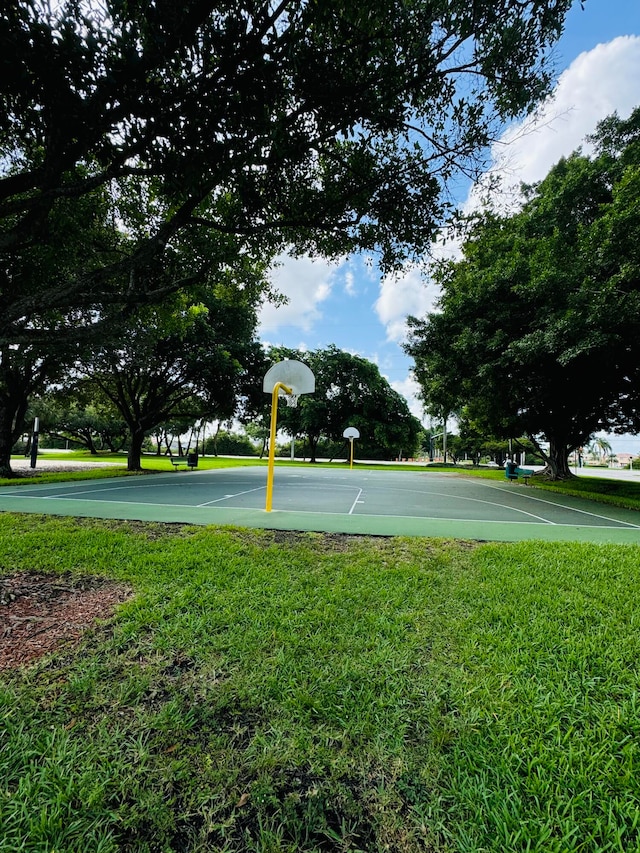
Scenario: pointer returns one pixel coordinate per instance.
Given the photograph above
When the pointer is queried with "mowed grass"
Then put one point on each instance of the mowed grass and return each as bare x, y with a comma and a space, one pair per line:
280, 692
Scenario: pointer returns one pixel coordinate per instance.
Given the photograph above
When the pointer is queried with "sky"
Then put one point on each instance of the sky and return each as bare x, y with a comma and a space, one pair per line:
349, 304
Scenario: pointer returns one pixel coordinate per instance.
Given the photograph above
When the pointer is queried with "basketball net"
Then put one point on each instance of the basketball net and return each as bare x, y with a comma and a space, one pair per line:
291, 400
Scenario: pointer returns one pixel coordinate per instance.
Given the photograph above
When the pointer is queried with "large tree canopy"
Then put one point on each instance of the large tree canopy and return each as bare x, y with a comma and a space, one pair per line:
323, 125
539, 328
130, 129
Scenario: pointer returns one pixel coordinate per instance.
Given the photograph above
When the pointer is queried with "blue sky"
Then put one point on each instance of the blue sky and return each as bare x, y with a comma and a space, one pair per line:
349, 304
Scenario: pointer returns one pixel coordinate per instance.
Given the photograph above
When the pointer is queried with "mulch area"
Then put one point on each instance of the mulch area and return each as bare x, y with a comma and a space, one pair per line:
38, 612
41, 612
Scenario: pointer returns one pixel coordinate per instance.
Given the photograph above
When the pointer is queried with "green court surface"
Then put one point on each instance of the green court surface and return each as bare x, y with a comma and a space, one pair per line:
384, 503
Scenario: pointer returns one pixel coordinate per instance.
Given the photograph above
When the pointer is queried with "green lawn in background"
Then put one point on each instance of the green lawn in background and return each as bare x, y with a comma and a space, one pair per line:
280, 692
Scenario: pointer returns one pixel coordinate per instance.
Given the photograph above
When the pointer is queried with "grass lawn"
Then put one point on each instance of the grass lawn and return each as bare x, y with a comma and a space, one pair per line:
280, 692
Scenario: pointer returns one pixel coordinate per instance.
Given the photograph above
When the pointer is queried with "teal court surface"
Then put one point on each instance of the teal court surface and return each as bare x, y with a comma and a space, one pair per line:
354, 501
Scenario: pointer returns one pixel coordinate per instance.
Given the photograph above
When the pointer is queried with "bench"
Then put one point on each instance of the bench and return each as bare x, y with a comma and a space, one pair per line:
189, 461
517, 473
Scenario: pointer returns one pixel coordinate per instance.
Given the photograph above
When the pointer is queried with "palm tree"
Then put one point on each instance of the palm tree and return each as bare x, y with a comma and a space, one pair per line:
600, 448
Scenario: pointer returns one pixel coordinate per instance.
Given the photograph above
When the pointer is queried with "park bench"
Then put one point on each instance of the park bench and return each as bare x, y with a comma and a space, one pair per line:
190, 460
514, 472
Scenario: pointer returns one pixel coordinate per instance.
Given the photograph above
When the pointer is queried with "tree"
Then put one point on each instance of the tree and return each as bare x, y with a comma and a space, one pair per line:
258, 431
229, 444
539, 333
476, 442
29, 365
292, 120
327, 127
349, 392
600, 448
22, 374
182, 359
69, 414
295, 116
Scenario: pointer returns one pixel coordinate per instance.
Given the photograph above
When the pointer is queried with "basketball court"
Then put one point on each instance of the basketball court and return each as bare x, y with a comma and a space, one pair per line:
380, 503
358, 501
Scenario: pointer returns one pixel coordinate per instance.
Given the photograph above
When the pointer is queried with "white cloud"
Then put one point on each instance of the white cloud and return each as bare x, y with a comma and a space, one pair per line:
597, 83
403, 295
349, 283
409, 389
307, 283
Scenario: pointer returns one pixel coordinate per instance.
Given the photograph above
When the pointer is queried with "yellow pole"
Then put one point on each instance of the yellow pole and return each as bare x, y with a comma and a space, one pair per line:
351, 442
272, 440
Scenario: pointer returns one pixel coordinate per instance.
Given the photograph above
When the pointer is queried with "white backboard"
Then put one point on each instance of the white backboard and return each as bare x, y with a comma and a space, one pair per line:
294, 374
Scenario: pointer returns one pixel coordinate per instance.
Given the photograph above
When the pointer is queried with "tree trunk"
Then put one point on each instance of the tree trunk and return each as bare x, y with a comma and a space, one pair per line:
313, 446
135, 450
557, 460
6, 443
215, 439
12, 411
88, 437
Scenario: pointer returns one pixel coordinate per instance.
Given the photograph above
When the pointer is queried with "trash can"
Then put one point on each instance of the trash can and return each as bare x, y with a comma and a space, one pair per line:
510, 470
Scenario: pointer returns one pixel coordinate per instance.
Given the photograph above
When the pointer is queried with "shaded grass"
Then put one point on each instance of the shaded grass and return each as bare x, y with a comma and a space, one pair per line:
270, 691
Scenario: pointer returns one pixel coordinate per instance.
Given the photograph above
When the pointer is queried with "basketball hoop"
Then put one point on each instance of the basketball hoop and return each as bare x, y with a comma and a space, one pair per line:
288, 378
351, 433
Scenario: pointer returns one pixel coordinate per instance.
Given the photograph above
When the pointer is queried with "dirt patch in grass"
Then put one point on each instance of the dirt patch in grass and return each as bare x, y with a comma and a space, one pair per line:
40, 612
328, 541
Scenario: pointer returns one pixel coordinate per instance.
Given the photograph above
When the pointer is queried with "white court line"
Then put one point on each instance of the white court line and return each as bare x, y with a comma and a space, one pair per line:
68, 495
158, 506
422, 518
227, 497
436, 518
567, 507
167, 480
357, 501
67, 492
473, 500
555, 504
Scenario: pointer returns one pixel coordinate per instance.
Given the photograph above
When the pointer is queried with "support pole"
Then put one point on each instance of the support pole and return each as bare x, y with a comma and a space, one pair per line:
351, 460
444, 441
34, 442
272, 439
